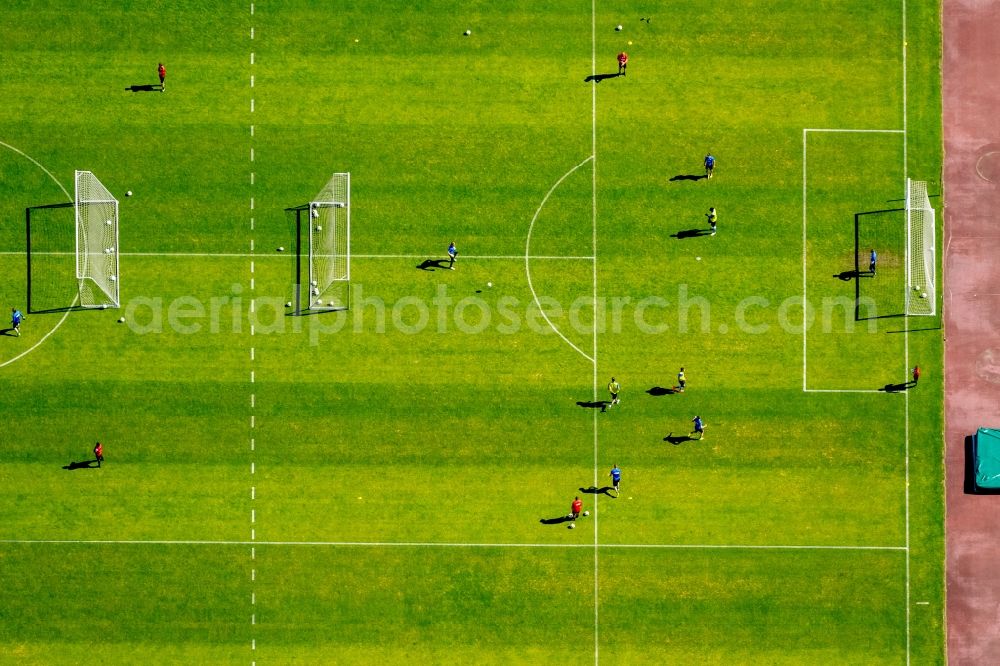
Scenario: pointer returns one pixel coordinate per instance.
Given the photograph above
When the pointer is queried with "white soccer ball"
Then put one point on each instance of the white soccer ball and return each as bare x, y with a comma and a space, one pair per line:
108, 222
916, 287
121, 320
489, 284
923, 295
571, 526
129, 193
618, 28
288, 304
315, 292
315, 213
112, 278
313, 283
586, 513
319, 228
281, 249
467, 33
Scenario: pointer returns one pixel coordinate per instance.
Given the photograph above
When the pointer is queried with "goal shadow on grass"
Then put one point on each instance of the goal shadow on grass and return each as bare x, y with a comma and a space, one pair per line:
67, 308
857, 274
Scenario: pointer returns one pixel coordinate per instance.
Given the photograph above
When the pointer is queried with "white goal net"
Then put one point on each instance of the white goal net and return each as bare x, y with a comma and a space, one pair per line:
330, 243
921, 295
96, 212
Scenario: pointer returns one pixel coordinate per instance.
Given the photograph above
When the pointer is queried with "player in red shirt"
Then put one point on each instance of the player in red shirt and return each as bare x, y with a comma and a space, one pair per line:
577, 508
99, 453
622, 63
162, 71
916, 374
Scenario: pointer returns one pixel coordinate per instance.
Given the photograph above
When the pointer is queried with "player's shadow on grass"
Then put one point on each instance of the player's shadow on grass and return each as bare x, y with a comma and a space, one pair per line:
687, 176
83, 464
847, 276
897, 388
149, 87
8, 332
556, 521
594, 490
597, 78
434, 264
691, 233
659, 390
595, 404
678, 439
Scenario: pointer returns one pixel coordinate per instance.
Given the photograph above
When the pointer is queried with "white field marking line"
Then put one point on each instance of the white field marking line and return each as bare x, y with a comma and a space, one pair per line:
805, 163
593, 251
433, 544
805, 217
906, 356
75, 299
497, 257
809, 390
854, 131
223, 255
253, 395
527, 258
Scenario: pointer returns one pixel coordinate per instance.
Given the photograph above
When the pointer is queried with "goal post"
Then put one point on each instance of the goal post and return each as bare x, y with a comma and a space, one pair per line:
96, 222
921, 293
329, 219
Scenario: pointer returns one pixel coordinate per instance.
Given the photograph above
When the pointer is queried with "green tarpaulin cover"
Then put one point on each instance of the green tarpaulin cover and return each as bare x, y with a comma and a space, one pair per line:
988, 458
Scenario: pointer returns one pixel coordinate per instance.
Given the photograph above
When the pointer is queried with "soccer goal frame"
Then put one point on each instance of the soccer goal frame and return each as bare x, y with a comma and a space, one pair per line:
921, 259
323, 248
96, 223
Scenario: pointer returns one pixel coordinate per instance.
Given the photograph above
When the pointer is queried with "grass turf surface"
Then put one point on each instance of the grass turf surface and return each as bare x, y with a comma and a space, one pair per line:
443, 412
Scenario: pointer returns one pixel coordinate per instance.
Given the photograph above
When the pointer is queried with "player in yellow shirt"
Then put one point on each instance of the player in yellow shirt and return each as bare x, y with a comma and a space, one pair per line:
614, 388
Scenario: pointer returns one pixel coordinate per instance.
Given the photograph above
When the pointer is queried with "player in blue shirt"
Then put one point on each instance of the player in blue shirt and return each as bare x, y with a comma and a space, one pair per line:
15, 320
709, 165
699, 427
872, 260
616, 477
452, 253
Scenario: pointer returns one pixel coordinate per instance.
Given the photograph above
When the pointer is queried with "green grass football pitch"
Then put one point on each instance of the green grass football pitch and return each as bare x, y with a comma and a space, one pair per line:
382, 484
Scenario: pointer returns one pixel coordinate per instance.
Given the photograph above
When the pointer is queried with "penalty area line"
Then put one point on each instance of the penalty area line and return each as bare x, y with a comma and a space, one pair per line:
809, 390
